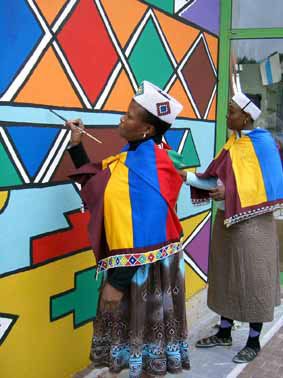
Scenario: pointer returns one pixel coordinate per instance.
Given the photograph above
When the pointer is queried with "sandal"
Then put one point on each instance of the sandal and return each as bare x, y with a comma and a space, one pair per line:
245, 355
213, 341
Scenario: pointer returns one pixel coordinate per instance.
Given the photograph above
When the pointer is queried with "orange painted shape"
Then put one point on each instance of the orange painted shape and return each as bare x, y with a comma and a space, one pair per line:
50, 9
124, 17
179, 93
179, 35
212, 111
121, 94
48, 85
213, 47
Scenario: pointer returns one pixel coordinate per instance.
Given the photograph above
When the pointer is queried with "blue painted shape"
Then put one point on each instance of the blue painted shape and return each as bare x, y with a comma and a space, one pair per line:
31, 212
174, 137
42, 116
32, 144
20, 32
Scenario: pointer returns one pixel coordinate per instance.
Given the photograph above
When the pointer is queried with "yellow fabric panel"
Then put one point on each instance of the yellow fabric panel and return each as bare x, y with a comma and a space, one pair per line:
118, 186
249, 180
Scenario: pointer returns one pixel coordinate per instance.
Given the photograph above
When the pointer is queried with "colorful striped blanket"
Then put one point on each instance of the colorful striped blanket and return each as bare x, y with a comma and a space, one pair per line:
251, 171
131, 198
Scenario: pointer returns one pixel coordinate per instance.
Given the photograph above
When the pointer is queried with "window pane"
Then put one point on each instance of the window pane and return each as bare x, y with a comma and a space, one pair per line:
256, 67
257, 13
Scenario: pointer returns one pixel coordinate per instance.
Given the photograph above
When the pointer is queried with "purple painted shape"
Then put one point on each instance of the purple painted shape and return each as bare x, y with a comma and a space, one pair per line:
198, 248
204, 13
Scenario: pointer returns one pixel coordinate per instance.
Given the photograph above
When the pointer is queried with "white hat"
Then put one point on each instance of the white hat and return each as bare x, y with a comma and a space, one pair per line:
247, 105
157, 102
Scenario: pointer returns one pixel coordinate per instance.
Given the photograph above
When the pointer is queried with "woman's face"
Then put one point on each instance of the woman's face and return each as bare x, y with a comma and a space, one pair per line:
132, 127
236, 118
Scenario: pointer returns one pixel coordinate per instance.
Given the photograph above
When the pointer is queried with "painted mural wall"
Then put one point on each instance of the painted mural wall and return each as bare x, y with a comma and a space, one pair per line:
85, 59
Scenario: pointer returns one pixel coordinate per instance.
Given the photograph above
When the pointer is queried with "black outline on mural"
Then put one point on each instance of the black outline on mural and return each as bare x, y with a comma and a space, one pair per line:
62, 294
14, 319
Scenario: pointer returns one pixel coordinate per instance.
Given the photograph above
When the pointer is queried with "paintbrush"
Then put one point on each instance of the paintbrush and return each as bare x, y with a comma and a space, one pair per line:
77, 127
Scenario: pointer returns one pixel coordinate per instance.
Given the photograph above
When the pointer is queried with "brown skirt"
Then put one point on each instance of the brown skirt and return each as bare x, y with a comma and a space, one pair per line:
149, 331
243, 276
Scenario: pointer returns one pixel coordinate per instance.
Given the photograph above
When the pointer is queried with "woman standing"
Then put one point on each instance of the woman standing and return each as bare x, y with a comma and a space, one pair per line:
135, 234
246, 178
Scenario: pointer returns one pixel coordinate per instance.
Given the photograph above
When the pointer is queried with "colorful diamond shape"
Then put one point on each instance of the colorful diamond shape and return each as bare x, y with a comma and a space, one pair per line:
149, 59
88, 48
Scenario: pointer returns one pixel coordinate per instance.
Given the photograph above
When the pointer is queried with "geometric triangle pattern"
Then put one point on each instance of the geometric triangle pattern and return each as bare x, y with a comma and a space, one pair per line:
181, 140
49, 85
32, 144
198, 247
174, 137
50, 9
204, 14
196, 242
189, 152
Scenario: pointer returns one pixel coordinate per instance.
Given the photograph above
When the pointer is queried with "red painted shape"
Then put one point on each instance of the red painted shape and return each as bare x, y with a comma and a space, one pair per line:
88, 48
63, 242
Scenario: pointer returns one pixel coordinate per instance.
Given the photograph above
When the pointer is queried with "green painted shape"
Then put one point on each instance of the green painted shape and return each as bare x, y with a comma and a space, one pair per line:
281, 278
82, 300
166, 5
189, 152
149, 60
8, 173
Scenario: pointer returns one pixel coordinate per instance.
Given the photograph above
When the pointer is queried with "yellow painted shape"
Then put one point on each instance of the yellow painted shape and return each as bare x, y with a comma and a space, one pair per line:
118, 214
50, 9
48, 85
121, 94
178, 92
3, 199
212, 111
193, 282
213, 47
248, 175
179, 35
190, 224
124, 17
36, 347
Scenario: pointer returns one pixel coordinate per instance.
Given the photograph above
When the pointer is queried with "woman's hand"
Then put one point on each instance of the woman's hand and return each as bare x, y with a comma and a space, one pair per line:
183, 174
217, 194
76, 135
110, 298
